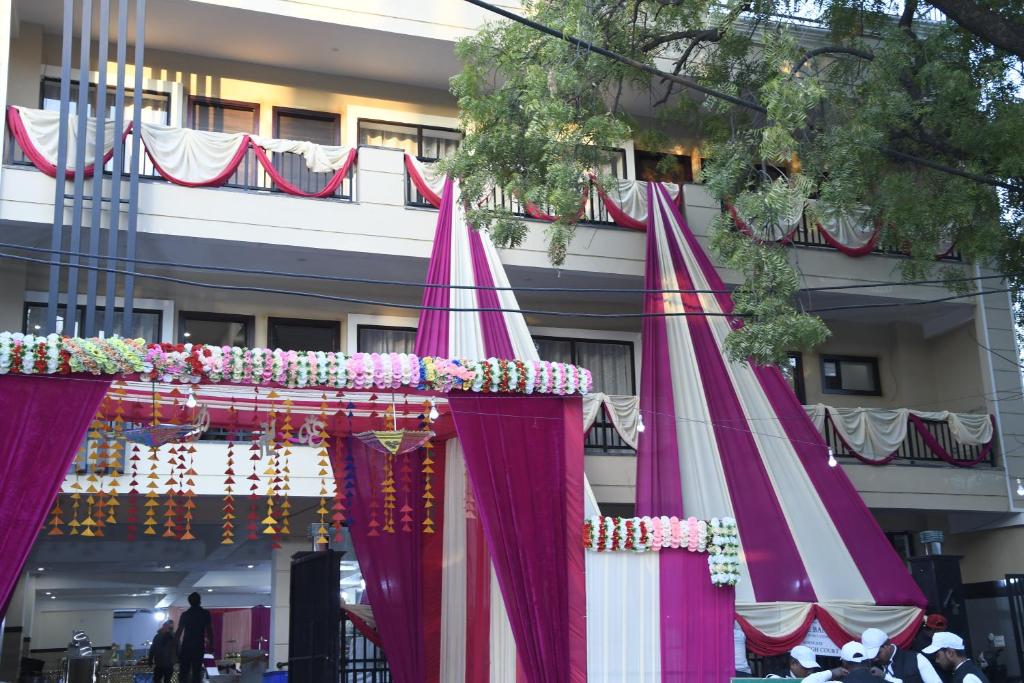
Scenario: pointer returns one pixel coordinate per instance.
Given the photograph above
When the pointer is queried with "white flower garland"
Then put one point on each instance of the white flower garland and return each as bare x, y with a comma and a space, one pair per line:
717, 537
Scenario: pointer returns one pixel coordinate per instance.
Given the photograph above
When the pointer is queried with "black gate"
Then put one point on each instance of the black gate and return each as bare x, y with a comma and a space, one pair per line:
1015, 594
313, 629
364, 661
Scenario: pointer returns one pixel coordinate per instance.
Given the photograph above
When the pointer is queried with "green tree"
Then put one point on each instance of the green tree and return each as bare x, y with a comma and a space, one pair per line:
859, 103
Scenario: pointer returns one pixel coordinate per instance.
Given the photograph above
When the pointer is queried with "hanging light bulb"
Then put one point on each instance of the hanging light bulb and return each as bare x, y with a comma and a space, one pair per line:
433, 410
832, 462
191, 400
640, 423
1020, 488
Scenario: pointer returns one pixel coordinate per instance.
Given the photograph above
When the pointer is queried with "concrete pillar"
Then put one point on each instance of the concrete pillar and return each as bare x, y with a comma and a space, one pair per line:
5, 52
17, 628
280, 595
995, 330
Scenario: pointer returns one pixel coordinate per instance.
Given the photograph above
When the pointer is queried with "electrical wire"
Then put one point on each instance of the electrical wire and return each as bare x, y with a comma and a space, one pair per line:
525, 311
429, 285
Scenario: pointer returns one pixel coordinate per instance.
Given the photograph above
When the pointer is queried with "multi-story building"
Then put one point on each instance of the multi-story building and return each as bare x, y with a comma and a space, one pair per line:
374, 76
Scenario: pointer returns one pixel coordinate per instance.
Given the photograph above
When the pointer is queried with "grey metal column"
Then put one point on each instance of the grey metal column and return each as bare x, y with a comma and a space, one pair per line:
95, 222
77, 196
57, 230
133, 179
117, 170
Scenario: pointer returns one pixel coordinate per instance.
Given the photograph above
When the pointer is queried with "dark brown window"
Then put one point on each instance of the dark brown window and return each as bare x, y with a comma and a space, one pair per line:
381, 339
850, 375
647, 163
216, 329
223, 116
323, 128
303, 335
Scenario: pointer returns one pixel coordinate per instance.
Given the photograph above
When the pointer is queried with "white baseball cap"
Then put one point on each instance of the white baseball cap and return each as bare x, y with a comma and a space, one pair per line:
942, 640
873, 639
853, 652
805, 656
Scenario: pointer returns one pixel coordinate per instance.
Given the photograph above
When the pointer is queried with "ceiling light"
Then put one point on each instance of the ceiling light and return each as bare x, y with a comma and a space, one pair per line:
37, 327
250, 566
167, 566
209, 590
159, 616
53, 597
39, 569
187, 334
49, 593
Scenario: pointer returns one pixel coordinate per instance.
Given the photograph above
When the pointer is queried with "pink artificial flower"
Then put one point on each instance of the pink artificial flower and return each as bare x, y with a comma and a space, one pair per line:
676, 532
694, 535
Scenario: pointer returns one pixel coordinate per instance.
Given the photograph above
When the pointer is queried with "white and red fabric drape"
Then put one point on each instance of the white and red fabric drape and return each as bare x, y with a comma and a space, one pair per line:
874, 435
182, 156
806, 536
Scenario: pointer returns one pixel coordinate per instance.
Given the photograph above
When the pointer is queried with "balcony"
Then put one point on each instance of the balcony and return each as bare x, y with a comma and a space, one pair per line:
593, 209
250, 176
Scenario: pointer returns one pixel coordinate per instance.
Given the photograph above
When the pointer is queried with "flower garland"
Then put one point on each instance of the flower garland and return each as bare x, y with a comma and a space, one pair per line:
192, 363
717, 537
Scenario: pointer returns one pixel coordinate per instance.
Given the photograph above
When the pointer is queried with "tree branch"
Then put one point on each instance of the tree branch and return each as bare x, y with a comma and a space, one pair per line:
698, 34
1002, 31
830, 50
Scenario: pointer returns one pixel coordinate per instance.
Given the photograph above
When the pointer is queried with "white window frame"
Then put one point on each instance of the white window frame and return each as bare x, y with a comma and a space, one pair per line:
173, 88
165, 306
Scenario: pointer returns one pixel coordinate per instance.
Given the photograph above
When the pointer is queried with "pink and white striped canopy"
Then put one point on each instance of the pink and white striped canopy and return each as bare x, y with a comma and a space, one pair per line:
476, 641
731, 439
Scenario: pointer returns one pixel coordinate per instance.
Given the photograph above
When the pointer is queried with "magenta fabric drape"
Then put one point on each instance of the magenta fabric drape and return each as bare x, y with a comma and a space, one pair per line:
42, 423
524, 455
391, 563
260, 628
696, 621
432, 332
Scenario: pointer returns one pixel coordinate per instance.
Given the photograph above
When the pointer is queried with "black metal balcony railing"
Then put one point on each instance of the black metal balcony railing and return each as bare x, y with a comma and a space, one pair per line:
915, 451
594, 211
808, 235
602, 439
250, 176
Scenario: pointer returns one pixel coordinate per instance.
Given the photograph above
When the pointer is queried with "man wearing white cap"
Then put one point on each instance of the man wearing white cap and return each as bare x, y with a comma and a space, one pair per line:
900, 665
948, 649
803, 664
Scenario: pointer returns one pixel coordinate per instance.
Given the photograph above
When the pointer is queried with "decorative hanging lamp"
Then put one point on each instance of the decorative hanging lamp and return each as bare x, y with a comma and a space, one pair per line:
395, 441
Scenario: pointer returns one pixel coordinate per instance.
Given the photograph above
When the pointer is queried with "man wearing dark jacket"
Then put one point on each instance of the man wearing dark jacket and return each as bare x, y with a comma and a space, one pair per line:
163, 652
195, 630
949, 654
906, 665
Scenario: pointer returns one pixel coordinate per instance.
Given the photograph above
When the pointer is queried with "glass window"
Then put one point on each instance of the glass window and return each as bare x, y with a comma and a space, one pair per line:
215, 329
222, 116
156, 106
302, 335
610, 363
377, 339
146, 324
615, 166
647, 167
850, 375
427, 142
321, 128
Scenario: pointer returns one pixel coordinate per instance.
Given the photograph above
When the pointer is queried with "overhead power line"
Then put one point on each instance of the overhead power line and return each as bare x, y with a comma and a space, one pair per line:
431, 285
718, 94
525, 311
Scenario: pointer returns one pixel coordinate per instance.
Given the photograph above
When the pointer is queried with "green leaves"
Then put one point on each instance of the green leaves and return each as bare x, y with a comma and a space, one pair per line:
540, 114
